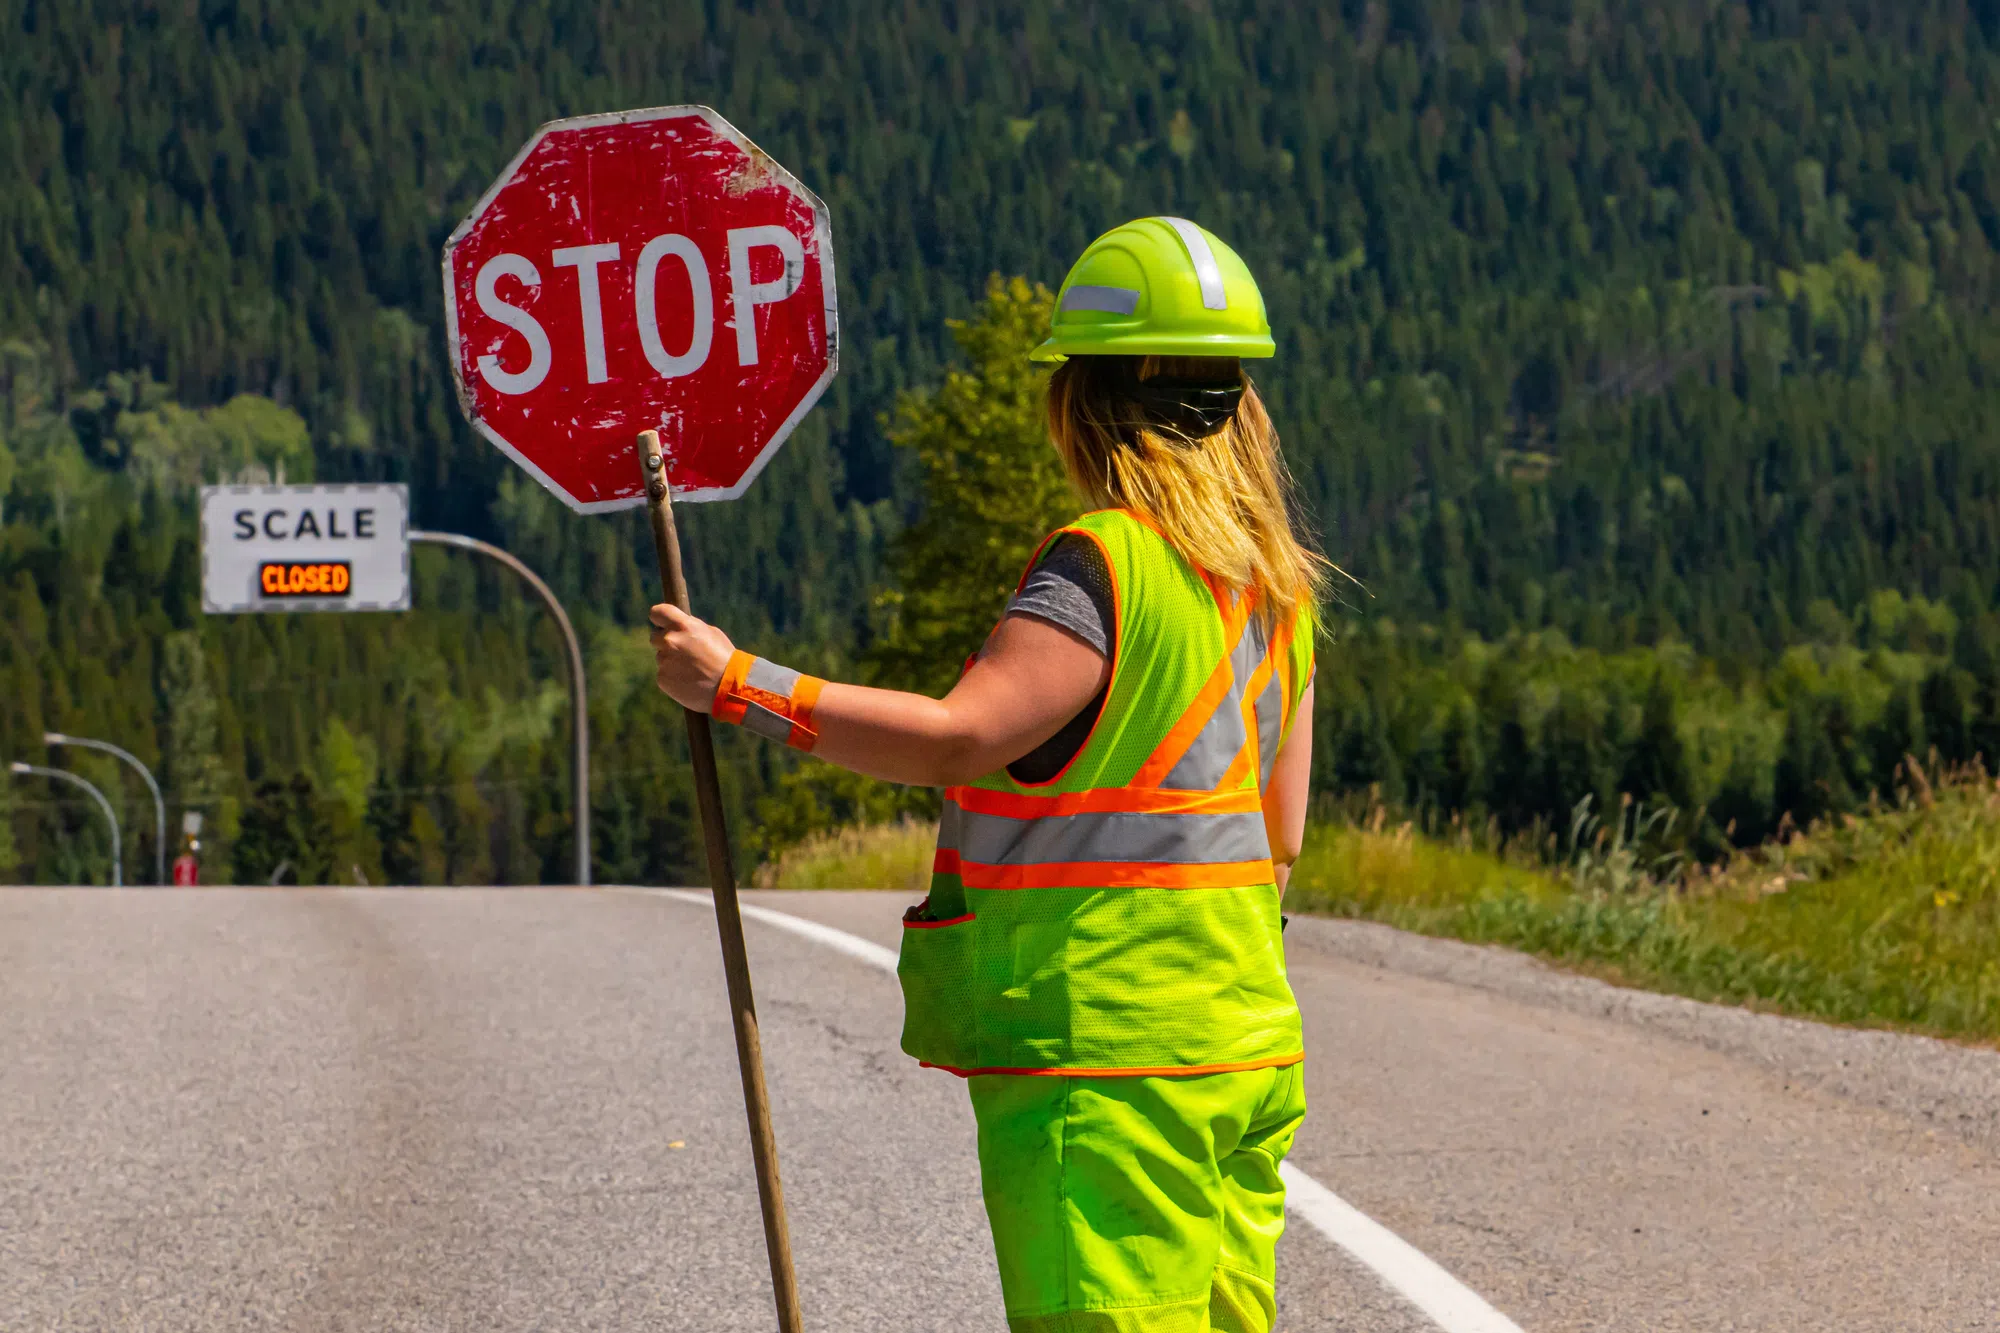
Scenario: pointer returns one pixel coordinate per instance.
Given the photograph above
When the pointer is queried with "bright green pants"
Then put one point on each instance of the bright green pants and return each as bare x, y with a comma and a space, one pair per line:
1137, 1205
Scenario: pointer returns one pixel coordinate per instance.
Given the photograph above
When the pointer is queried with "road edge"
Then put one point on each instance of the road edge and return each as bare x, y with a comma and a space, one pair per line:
1949, 1087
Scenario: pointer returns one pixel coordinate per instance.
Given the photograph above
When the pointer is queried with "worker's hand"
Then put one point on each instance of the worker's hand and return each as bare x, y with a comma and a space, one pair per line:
692, 655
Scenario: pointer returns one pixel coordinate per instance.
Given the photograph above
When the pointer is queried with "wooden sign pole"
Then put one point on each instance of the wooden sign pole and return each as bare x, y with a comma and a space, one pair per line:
728, 918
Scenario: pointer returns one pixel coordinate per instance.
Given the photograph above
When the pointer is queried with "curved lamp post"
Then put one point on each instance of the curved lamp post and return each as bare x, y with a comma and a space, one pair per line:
578, 700
117, 859
159, 806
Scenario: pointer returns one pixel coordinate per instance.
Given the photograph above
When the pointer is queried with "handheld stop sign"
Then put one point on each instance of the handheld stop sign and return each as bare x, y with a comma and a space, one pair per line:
645, 270
642, 307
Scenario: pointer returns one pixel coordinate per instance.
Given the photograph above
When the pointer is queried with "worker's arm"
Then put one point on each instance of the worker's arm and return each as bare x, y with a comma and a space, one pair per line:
1031, 678
1286, 797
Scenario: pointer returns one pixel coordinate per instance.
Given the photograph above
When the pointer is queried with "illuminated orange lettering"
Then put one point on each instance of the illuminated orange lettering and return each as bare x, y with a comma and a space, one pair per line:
330, 578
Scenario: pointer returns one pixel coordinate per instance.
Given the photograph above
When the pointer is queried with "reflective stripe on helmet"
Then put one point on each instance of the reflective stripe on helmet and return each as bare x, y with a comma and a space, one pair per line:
1218, 314
1110, 300
1206, 271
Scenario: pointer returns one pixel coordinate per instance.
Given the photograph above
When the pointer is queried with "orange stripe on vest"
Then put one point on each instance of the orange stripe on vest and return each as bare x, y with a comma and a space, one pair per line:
1144, 1071
1104, 800
1183, 733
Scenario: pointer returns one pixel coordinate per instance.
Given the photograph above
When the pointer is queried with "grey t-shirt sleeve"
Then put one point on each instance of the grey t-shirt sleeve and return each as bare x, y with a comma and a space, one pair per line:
1072, 588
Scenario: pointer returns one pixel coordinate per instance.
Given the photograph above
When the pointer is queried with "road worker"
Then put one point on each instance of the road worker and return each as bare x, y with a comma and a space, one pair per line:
1125, 766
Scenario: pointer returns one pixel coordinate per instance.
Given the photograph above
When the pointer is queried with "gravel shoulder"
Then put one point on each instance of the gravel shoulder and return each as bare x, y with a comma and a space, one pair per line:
1951, 1087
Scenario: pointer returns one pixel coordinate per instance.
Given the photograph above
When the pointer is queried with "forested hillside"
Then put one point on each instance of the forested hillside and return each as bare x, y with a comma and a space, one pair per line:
1626, 325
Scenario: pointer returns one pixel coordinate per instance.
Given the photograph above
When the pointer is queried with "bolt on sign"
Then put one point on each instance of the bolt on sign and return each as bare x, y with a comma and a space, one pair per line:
305, 548
643, 270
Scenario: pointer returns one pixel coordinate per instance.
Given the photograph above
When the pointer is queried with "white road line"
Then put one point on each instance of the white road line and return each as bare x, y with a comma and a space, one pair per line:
1451, 1304
1408, 1271
853, 946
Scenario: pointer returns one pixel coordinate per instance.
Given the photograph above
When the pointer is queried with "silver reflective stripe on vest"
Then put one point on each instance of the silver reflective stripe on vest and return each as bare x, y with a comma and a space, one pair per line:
1148, 838
1206, 271
1270, 726
949, 820
1111, 300
771, 678
1222, 736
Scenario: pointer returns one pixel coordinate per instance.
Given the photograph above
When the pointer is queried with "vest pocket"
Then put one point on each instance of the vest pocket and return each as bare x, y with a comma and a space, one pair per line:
935, 968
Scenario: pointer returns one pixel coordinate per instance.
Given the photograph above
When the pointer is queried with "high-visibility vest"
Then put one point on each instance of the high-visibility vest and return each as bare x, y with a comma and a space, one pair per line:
1122, 917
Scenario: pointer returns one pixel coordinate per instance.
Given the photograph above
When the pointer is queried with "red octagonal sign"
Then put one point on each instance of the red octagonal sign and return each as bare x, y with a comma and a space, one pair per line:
646, 269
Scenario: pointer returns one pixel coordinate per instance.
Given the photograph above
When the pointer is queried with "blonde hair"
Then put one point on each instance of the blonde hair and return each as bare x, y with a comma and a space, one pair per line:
1221, 500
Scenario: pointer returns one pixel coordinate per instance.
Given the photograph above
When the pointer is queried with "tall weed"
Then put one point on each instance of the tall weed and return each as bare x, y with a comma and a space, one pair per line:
874, 856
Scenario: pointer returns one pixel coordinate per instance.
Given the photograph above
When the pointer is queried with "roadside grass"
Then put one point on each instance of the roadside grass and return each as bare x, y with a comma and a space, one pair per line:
1889, 918
869, 856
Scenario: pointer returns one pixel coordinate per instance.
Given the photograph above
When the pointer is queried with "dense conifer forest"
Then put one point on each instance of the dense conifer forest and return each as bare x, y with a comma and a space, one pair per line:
1638, 360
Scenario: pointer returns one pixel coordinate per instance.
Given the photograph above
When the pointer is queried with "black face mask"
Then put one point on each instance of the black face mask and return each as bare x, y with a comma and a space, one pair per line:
1195, 409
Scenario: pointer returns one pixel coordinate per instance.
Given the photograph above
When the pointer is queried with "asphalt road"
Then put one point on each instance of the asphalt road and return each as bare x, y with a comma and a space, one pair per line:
517, 1109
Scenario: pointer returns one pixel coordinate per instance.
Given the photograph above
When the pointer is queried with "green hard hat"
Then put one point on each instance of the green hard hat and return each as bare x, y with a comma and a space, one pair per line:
1158, 287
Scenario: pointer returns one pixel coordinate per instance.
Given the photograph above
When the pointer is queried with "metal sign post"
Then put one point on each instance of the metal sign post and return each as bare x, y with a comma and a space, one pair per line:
64, 775
159, 805
578, 688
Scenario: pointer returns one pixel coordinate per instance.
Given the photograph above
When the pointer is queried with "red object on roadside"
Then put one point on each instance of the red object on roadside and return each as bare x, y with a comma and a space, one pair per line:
642, 270
187, 871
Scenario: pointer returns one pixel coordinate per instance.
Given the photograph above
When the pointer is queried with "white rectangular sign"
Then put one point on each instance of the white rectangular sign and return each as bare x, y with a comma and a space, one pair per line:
305, 548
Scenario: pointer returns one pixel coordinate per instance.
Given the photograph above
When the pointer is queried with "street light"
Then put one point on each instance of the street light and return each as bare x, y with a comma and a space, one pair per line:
117, 859
578, 702
159, 806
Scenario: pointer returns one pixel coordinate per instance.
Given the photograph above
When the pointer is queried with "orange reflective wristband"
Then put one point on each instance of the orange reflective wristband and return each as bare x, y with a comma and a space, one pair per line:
773, 701
728, 703
805, 697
